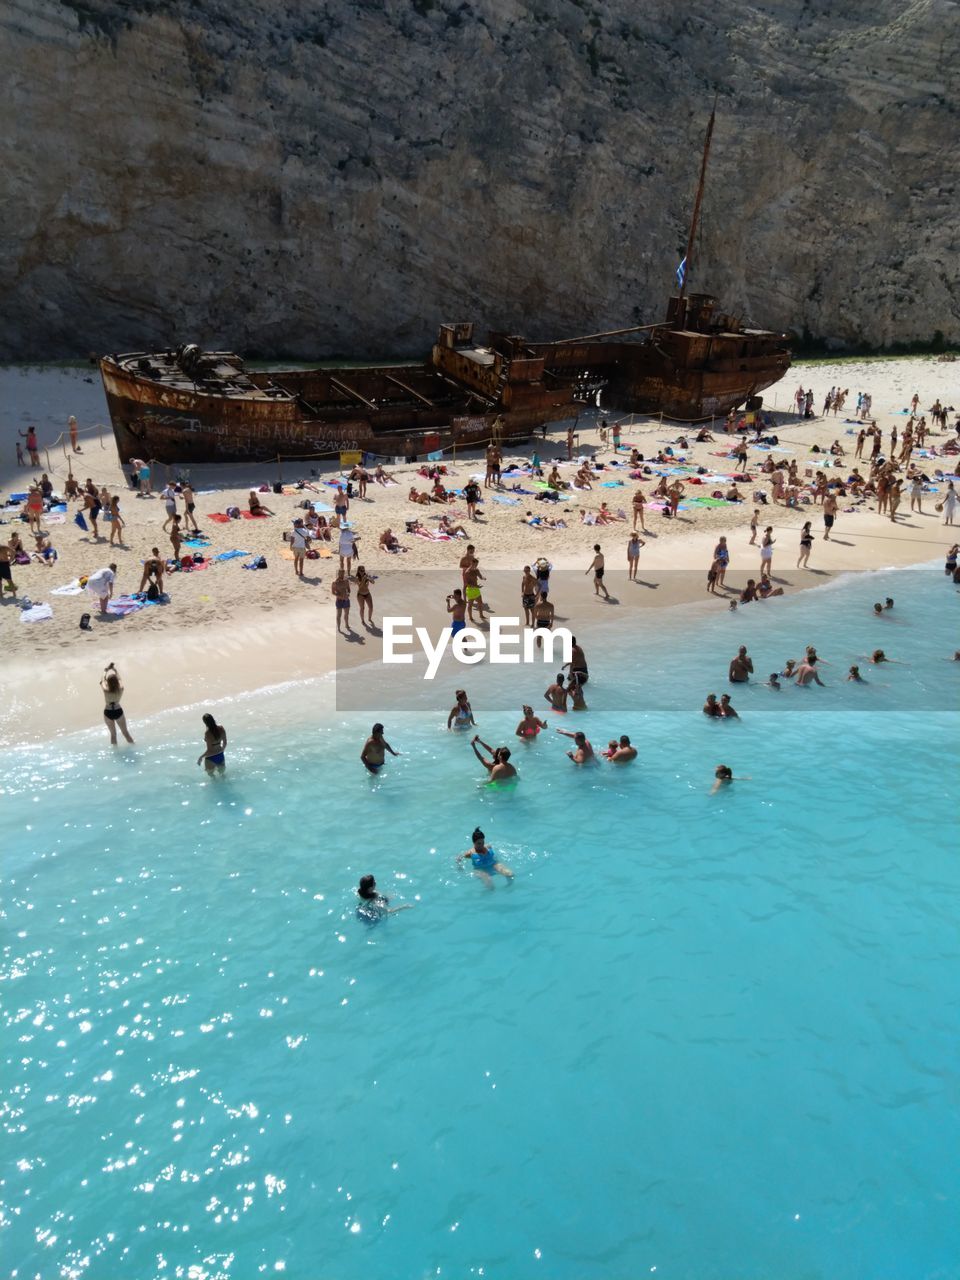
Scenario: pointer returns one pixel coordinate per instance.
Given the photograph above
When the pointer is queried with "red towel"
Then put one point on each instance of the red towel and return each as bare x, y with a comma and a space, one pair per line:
254, 515
219, 517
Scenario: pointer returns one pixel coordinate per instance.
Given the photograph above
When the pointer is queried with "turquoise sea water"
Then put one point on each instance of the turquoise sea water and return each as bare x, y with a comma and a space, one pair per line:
699, 1036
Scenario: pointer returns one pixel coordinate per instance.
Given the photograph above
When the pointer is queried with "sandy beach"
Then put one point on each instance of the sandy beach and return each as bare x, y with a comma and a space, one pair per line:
227, 629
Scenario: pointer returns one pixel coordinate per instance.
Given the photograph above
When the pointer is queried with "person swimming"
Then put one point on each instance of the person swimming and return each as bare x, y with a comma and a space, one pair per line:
722, 777
854, 674
484, 859
373, 906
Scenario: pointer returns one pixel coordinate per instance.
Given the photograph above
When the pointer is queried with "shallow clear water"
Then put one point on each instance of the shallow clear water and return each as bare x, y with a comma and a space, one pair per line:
697, 1037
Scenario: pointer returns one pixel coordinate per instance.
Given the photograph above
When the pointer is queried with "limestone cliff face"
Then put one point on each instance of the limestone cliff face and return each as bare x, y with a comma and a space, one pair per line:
337, 177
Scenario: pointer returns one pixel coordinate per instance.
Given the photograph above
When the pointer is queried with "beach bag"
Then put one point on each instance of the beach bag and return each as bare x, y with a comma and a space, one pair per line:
233, 513
262, 562
153, 591
938, 506
79, 521
85, 622
277, 487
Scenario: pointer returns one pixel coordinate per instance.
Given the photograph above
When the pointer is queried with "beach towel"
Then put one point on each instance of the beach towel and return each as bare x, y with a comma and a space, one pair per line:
71, 589
231, 555
431, 536
286, 553
710, 502
122, 606
219, 517
197, 540
321, 507
54, 517
79, 521
17, 497
254, 515
612, 484
36, 613
516, 489
506, 502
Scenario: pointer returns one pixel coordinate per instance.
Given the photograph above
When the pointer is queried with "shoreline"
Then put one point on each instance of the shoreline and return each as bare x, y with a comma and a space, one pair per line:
64, 698
226, 631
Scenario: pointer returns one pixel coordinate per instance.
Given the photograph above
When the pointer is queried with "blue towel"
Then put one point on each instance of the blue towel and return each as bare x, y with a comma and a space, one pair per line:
79, 520
231, 555
506, 502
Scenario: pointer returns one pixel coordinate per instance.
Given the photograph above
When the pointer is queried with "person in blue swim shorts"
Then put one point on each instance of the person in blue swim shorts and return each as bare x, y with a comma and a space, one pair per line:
484, 860
457, 608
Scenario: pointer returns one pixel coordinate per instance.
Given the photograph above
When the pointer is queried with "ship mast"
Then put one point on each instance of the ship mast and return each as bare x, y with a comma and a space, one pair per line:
696, 209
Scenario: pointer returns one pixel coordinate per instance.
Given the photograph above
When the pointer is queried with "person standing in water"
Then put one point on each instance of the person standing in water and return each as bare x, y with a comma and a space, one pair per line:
557, 695
498, 766
484, 859
530, 725
372, 756
461, 715
112, 687
215, 740
583, 753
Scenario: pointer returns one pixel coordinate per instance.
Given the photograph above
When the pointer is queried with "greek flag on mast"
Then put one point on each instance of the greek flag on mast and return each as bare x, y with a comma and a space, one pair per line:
682, 271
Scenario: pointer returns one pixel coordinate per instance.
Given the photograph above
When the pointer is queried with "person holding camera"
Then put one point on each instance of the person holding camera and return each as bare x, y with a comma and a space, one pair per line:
112, 688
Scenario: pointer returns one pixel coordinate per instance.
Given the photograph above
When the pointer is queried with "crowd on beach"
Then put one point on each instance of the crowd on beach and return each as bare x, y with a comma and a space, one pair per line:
873, 470
453, 503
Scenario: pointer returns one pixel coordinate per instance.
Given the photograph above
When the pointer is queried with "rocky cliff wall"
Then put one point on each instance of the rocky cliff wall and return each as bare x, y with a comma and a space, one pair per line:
338, 177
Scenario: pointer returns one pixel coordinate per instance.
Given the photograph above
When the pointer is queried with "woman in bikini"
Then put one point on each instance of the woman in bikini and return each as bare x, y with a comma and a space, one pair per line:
364, 598
461, 715
112, 710
116, 521
530, 725
215, 740
806, 543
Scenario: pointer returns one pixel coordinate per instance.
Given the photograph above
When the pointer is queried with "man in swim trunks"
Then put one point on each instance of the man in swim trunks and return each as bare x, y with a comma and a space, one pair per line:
623, 753
711, 707
577, 663
583, 752
528, 595
498, 766
189, 506
372, 755
543, 614
557, 695
829, 514
153, 568
466, 560
741, 667
457, 608
597, 566
472, 577
807, 672
340, 590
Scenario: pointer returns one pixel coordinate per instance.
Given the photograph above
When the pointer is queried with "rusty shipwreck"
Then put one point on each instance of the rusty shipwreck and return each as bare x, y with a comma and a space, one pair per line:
203, 406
